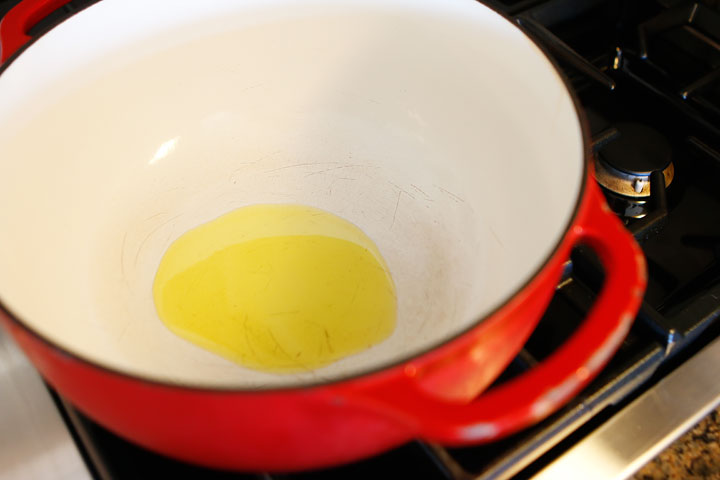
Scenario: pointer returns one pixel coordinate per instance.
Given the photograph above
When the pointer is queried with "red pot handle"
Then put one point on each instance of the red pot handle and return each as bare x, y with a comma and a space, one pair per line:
538, 392
19, 20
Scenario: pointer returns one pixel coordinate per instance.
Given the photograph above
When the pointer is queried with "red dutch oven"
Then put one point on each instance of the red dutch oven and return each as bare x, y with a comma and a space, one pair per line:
437, 127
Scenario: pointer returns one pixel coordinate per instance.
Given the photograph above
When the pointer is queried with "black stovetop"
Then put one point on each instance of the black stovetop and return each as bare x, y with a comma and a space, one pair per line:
654, 63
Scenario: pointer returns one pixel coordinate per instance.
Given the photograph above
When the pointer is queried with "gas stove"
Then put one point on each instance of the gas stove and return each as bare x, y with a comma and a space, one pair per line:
647, 73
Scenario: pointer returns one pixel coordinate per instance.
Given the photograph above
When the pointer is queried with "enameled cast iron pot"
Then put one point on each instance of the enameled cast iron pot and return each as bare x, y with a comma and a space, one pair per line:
436, 126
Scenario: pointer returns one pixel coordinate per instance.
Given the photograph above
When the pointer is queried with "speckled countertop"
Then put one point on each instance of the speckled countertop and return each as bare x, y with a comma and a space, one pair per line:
694, 456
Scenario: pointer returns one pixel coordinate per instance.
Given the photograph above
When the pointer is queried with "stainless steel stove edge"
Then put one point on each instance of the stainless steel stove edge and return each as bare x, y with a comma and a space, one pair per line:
641, 430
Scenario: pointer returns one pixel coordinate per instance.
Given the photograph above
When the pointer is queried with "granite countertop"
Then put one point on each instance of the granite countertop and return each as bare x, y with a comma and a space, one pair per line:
694, 456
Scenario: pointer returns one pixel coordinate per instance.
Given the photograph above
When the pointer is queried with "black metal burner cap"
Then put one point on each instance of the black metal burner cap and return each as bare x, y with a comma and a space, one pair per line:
624, 164
637, 150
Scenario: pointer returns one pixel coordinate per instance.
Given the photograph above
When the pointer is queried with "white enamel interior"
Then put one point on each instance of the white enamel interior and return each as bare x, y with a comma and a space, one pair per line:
435, 126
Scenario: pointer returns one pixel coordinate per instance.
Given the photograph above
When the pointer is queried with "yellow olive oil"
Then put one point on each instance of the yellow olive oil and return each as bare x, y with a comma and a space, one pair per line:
277, 288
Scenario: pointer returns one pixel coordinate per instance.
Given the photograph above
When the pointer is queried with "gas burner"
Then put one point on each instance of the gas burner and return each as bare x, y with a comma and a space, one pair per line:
625, 163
